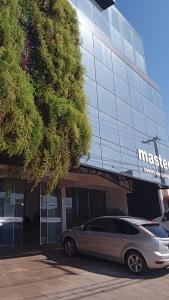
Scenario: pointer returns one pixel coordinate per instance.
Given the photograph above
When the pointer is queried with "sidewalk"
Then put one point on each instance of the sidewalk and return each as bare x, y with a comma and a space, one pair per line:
44, 273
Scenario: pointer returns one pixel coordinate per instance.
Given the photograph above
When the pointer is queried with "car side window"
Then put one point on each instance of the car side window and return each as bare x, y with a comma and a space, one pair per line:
123, 227
96, 225
100, 225
110, 225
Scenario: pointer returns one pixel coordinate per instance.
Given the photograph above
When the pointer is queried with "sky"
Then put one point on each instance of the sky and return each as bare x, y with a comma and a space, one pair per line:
150, 18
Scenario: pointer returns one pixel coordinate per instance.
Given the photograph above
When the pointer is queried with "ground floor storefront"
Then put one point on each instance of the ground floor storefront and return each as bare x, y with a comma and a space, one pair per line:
31, 217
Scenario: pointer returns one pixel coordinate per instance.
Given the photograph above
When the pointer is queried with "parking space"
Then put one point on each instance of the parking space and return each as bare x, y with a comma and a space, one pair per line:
46, 273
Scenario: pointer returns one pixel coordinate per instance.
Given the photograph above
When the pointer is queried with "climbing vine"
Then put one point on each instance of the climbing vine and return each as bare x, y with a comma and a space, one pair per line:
43, 118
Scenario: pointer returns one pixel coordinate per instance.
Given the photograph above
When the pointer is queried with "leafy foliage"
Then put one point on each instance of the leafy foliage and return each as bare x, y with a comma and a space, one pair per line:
43, 117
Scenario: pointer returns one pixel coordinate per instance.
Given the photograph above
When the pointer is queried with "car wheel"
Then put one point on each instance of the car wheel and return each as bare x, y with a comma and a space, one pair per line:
135, 263
70, 247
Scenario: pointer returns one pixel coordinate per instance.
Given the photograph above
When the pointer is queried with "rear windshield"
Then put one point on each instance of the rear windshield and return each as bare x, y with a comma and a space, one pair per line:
157, 230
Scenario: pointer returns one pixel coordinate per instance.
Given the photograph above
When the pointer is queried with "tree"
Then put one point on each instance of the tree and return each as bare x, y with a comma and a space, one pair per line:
43, 119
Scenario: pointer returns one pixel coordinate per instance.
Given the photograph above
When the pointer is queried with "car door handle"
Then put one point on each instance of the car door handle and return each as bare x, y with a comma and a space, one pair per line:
124, 240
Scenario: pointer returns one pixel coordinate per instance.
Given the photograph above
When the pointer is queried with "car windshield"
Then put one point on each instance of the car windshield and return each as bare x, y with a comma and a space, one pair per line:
157, 230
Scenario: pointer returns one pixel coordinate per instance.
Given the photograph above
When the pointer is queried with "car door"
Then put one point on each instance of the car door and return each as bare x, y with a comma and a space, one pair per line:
110, 241
89, 236
117, 236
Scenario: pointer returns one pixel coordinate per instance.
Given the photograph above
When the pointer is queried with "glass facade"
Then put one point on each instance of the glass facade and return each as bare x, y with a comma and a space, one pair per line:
50, 217
83, 205
125, 107
116, 28
23, 212
11, 212
126, 113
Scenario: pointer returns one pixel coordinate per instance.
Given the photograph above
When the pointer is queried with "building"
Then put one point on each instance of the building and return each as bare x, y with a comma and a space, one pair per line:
128, 164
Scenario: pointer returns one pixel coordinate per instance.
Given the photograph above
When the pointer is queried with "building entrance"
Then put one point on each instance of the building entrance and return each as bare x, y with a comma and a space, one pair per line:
31, 223
50, 217
11, 212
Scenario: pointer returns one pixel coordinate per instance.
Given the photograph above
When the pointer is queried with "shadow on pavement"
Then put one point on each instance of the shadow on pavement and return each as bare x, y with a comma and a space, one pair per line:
54, 257
23, 251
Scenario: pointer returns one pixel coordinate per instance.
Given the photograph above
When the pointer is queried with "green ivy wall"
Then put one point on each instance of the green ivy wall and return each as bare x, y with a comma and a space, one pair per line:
43, 120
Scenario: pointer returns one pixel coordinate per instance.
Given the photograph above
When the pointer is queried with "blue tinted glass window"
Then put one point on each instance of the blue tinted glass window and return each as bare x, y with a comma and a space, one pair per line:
128, 49
160, 117
111, 156
127, 138
102, 20
140, 62
88, 62
102, 53
86, 38
104, 77
146, 90
116, 38
157, 99
119, 67
127, 32
164, 150
106, 102
129, 161
162, 133
104, 14
122, 89
151, 128
138, 44
90, 91
93, 117
124, 112
139, 138
87, 8
108, 128
134, 79
139, 121
114, 19
148, 108
136, 99
95, 157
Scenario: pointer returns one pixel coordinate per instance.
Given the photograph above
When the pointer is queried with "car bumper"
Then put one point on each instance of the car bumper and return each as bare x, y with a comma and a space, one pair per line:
156, 260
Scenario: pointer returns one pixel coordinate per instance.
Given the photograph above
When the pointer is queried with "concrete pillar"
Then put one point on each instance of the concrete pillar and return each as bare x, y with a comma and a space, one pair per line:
63, 196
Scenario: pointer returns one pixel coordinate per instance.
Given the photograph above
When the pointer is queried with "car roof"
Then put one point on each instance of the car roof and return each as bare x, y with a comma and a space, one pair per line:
132, 220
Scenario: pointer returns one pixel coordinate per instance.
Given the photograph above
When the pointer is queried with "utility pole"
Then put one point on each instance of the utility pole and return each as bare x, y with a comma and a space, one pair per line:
154, 140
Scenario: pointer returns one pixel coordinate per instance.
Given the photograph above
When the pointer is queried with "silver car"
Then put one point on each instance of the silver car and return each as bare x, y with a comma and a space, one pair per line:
138, 243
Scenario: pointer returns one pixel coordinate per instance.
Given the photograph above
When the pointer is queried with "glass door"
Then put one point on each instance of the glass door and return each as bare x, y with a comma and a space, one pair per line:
50, 218
11, 213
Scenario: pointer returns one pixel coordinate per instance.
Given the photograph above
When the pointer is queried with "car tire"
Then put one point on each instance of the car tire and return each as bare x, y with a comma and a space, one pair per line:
70, 247
135, 262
